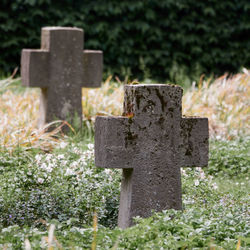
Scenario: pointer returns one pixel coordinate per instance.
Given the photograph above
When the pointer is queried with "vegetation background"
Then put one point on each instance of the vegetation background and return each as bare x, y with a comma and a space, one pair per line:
144, 39
52, 196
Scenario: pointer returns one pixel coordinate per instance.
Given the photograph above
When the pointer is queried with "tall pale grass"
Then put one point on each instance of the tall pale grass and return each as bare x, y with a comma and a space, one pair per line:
107, 100
225, 102
18, 119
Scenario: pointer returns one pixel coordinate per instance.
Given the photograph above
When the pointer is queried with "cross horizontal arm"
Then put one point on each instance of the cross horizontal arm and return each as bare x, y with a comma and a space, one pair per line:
92, 68
35, 68
194, 147
110, 142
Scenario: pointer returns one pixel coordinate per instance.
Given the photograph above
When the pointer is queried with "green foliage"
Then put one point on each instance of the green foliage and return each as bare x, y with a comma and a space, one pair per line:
139, 38
58, 186
219, 221
64, 188
230, 158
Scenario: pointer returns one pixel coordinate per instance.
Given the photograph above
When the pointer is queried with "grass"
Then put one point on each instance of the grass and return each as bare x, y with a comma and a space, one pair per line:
225, 102
19, 114
65, 189
53, 197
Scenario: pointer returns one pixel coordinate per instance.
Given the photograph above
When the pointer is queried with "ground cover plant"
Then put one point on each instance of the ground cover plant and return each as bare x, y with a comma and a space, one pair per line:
52, 196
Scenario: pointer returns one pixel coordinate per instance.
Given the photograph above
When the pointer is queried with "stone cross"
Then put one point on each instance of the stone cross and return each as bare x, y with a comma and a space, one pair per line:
61, 68
150, 142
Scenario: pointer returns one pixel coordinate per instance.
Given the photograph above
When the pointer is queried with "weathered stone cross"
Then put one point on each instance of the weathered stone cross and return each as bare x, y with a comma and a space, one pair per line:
61, 68
151, 142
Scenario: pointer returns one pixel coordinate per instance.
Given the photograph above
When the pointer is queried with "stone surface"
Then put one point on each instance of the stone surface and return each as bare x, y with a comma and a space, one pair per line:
61, 68
150, 142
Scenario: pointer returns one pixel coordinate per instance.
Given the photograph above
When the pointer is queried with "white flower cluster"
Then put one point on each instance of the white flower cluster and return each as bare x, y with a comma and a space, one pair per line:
79, 167
200, 177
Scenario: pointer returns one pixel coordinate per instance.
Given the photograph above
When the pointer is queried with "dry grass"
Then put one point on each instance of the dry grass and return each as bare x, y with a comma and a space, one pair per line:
107, 100
225, 102
18, 118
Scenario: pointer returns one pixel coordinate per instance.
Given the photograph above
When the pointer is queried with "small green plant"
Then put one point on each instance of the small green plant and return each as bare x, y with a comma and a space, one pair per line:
65, 189
62, 185
230, 158
50, 189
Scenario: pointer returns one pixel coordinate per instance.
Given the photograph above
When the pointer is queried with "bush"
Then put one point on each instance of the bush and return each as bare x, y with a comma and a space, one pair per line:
35, 187
150, 38
210, 219
66, 184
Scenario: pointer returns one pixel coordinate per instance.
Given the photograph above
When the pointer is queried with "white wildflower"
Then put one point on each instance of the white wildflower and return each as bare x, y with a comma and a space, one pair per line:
83, 161
218, 137
202, 175
90, 146
43, 166
215, 186
49, 168
63, 144
88, 154
74, 164
196, 182
107, 171
88, 172
49, 157
38, 158
69, 172
60, 157
40, 180
183, 172
64, 163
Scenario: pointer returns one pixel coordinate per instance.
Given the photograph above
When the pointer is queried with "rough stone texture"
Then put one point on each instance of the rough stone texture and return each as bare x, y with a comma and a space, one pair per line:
61, 68
151, 142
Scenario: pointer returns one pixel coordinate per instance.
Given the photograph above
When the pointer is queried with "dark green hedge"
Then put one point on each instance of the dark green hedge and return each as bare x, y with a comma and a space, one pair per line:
144, 37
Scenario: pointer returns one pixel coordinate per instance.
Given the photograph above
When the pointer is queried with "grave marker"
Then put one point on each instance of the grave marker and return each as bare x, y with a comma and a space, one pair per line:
61, 68
151, 142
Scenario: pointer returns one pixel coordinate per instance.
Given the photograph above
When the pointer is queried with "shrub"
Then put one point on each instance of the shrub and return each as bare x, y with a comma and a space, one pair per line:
63, 185
140, 38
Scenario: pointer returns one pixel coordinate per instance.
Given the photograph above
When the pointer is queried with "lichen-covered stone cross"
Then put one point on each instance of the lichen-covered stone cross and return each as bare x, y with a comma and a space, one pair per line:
151, 142
61, 68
